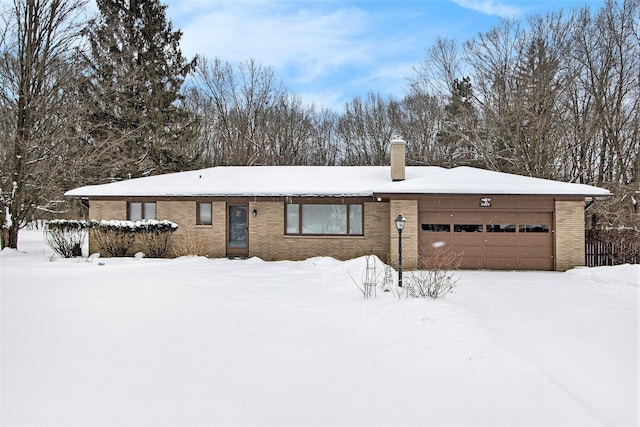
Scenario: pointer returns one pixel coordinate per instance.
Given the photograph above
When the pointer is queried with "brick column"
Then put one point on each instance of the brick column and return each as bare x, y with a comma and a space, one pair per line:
409, 209
569, 234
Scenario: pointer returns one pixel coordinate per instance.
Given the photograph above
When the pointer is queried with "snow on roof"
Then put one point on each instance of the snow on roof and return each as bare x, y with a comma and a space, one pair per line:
352, 181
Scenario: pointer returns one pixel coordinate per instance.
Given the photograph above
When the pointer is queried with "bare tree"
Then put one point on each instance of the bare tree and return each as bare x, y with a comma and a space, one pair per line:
36, 81
366, 128
248, 117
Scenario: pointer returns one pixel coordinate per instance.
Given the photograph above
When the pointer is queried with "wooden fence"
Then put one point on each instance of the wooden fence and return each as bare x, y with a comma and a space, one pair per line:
612, 247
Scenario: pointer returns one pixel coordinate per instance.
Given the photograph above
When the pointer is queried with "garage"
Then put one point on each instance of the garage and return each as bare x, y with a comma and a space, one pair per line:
505, 234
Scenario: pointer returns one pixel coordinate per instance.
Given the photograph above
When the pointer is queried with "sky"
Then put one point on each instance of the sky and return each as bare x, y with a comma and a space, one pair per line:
329, 51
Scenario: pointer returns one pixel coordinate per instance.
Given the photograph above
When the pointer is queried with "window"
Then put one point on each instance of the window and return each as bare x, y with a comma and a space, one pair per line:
436, 228
203, 213
501, 228
534, 228
137, 211
321, 219
467, 228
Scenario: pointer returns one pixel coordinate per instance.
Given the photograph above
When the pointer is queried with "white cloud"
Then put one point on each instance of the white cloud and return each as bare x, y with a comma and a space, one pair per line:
490, 7
312, 41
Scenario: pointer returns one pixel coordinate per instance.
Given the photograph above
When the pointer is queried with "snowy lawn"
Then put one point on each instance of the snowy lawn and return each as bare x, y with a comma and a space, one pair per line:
194, 341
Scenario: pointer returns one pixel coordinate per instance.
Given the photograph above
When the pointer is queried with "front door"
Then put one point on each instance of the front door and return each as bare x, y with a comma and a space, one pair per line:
237, 241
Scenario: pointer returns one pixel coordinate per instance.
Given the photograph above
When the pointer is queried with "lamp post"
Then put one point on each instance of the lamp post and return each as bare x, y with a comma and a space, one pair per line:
400, 221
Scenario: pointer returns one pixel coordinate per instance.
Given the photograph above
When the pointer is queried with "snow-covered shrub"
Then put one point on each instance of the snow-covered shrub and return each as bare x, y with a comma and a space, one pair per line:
436, 278
116, 238
155, 237
66, 237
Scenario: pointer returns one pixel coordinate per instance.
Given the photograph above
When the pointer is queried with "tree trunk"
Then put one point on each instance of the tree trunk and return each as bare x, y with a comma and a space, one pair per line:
10, 237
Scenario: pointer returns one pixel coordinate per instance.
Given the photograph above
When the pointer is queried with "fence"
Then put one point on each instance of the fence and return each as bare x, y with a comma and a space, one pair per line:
612, 247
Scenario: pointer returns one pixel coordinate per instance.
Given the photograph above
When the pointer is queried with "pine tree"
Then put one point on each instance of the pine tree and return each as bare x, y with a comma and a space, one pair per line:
136, 70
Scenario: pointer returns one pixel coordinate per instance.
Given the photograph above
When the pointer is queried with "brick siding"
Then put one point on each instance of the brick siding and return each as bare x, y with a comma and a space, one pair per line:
267, 238
569, 234
408, 209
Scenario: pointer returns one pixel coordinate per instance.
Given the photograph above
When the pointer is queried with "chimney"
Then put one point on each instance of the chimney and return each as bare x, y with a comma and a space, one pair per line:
397, 158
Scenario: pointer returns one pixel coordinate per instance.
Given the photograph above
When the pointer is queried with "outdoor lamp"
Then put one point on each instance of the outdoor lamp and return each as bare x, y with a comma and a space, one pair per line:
400, 222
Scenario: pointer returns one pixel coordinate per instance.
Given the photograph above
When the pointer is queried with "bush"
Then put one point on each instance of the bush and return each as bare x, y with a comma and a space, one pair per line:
66, 237
436, 279
155, 237
116, 238
190, 245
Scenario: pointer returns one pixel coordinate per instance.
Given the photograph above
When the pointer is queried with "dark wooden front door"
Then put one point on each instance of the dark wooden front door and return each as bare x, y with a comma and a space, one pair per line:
237, 231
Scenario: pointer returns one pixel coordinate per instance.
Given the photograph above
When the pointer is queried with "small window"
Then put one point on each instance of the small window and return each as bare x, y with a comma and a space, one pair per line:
436, 228
467, 228
137, 211
501, 228
204, 216
534, 228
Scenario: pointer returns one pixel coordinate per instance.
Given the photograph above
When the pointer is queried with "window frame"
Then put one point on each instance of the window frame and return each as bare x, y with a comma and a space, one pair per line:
198, 216
143, 210
347, 218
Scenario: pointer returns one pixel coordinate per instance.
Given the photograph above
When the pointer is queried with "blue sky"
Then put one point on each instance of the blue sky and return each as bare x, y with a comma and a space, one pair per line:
329, 51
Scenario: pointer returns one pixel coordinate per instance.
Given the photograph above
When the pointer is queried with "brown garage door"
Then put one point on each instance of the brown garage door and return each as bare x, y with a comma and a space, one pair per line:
491, 240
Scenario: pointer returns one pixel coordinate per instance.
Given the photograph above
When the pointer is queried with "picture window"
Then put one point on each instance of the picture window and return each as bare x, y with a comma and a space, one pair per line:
324, 219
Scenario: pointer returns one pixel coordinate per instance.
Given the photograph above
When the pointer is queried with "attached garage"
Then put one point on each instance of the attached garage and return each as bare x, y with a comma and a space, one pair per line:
488, 232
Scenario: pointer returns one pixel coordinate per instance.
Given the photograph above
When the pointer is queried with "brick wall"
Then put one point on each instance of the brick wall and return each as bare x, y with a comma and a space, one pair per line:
409, 209
569, 234
206, 240
101, 209
268, 241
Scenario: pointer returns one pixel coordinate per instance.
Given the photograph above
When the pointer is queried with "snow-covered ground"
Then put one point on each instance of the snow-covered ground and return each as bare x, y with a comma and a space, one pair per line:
195, 341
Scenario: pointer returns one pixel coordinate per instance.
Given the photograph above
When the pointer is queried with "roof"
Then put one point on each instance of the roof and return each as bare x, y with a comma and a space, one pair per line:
338, 181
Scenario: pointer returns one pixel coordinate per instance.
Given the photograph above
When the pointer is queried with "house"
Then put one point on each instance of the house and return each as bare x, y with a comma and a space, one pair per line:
492, 220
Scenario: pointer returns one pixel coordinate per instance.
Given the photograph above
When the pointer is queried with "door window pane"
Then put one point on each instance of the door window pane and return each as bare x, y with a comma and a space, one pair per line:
237, 226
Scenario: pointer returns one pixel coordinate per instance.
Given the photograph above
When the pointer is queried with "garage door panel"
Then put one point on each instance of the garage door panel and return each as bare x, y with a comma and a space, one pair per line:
470, 262
534, 251
435, 217
433, 243
498, 217
468, 217
470, 251
536, 241
500, 252
501, 263
535, 263
467, 239
535, 217
502, 239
